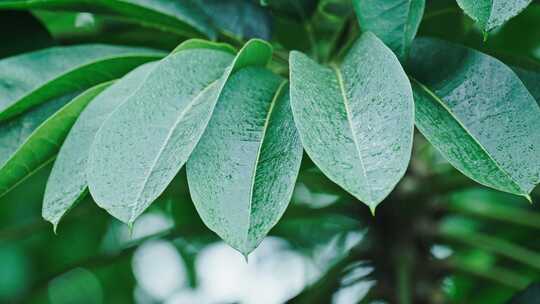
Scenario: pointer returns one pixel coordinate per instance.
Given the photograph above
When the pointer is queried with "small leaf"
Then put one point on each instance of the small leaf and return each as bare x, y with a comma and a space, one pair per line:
62, 70
492, 13
356, 120
182, 17
242, 173
30, 141
144, 143
394, 21
478, 114
67, 182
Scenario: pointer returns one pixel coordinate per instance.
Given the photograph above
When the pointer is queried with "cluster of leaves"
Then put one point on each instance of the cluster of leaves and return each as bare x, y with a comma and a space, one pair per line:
124, 120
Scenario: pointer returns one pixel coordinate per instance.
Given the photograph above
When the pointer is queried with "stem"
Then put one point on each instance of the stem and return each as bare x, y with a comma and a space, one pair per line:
404, 286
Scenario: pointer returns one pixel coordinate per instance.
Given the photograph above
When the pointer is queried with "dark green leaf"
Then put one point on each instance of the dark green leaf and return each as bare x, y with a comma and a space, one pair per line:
492, 13
242, 173
531, 295
30, 141
356, 120
183, 17
26, 33
67, 182
62, 70
394, 21
144, 143
478, 114
240, 18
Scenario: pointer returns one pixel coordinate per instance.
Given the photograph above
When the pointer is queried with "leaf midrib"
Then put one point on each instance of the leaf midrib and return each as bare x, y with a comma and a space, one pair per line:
162, 148
341, 83
439, 101
263, 135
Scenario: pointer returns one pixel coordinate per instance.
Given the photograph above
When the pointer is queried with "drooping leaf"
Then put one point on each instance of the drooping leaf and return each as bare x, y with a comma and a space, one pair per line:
242, 173
492, 13
355, 120
395, 22
31, 140
67, 183
478, 114
145, 142
240, 18
26, 33
183, 17
29, 79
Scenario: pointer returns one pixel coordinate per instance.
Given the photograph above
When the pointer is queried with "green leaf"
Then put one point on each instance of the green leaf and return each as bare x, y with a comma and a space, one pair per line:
67, 183
492, 13
182, 17
145, 142
395, 21
26, 33
62, 70
356, 120
30, 141
239, 19
478, 114
242, 173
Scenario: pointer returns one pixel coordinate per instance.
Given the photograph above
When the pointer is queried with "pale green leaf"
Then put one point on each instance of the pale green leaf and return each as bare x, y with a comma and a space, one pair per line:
242, 173
355, 120
394, 21
67, 182
145, 142
183, 17
29, 79
492, 13
478, 114
31, 140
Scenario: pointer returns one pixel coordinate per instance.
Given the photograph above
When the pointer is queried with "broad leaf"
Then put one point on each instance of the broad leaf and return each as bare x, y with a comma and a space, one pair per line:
62, 70
492, 13
355, 120
395, 22
478, 114
182, 17
30, 141
145, 142
242, 173
67, 182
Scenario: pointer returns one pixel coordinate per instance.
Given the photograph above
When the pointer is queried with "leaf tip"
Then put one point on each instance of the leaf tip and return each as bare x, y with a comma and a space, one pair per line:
246, 257
528, 198
130, 229
372, 208
55, 227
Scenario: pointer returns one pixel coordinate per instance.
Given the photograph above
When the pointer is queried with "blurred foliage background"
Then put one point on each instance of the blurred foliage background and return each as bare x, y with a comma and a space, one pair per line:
439, 238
